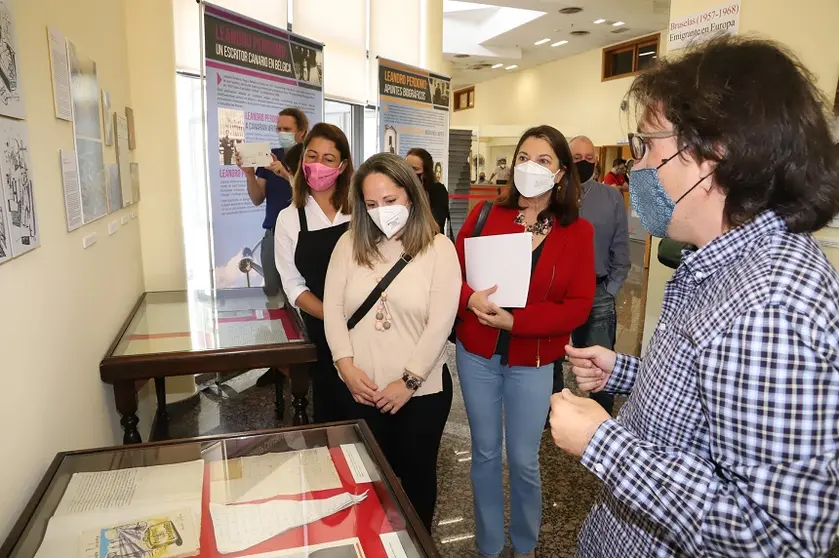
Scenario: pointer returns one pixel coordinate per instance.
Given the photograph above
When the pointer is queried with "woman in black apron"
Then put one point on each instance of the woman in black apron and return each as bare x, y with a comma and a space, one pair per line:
318, 216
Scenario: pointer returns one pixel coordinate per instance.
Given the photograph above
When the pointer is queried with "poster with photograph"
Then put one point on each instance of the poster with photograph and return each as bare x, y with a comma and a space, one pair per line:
414, 113
18, 196
121, 127
253, 71
106, 118
11, 96
93, 179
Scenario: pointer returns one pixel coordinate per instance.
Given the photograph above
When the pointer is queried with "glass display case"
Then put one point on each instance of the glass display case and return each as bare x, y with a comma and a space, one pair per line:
182, 333
310, 492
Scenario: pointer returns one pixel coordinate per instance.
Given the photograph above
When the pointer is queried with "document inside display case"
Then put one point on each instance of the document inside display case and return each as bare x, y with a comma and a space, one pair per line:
311, 503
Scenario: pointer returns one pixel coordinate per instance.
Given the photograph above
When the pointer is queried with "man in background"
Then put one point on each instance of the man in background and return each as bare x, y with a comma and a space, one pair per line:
272, 185
617, 176
603, 207
501, 173
482, 178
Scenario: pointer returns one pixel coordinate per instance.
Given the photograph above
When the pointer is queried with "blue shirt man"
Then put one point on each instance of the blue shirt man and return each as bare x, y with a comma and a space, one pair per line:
272, 185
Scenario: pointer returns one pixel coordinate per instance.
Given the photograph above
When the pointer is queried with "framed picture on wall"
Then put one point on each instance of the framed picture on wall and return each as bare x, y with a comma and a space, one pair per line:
132, 134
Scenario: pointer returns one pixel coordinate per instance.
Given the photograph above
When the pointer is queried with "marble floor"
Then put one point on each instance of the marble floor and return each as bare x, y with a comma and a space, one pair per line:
568, 488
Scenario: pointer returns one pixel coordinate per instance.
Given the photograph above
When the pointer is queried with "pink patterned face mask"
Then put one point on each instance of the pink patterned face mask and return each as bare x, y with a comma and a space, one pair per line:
320, 177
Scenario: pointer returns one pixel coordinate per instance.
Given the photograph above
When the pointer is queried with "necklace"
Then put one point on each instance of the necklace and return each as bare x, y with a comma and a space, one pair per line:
541, 227
383, 317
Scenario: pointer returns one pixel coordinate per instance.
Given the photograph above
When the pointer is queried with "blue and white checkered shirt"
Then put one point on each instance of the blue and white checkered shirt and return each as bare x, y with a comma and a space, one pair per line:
729, 442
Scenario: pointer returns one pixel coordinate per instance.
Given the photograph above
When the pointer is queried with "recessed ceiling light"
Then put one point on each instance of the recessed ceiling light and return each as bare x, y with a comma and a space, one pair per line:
543, 41
513, 67
496, 66
599, 21
560, 43
618, 24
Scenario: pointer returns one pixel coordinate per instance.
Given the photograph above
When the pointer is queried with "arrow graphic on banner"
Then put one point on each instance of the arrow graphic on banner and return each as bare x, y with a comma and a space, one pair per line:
218, 79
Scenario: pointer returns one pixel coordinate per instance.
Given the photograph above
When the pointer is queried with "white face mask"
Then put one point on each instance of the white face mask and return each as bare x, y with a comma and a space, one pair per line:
389, 218
532, 179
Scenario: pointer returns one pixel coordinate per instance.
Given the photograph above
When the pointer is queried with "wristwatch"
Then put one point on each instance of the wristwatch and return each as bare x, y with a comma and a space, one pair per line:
411, 382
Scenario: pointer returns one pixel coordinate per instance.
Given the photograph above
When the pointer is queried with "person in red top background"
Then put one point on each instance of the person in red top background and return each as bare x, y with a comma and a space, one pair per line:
505, 357
617, 176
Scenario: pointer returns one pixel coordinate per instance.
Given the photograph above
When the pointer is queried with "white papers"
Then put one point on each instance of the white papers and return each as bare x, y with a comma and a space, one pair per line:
356, 465
256, 154
393, 547
72, 194
18, 198
96, 500
242, 526
486, 268
60, 74
170, 535
274, 474
346, 548
11, 94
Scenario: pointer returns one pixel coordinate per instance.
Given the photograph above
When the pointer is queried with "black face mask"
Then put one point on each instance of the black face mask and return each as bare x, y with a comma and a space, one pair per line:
585, 170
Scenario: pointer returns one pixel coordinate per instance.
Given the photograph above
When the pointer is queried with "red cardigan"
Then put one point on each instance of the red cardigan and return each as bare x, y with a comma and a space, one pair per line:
560, 298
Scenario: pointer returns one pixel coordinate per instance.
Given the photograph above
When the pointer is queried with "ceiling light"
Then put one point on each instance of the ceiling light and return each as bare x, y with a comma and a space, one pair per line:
650, 53
599, 21
495, 67
513, 67
543, 41
618, 24
560, 43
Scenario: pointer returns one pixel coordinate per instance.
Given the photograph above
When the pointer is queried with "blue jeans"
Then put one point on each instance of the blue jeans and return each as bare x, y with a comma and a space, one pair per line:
599, 329
523, 393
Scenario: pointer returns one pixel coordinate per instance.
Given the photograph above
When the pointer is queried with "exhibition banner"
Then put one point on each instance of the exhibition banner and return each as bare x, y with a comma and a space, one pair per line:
253, 71
414, 112
701, 26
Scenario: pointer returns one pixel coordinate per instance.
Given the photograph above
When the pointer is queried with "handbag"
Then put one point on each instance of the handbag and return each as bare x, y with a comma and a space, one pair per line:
377, 291
486, 208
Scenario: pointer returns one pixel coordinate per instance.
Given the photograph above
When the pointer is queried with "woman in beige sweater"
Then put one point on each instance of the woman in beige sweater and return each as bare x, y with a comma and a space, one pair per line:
392, 361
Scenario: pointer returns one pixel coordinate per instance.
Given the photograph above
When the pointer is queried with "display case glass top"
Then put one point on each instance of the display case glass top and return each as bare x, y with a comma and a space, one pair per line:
306, 492
182, 321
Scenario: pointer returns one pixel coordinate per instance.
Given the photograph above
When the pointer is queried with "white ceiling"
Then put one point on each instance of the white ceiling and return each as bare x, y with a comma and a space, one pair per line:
504, 31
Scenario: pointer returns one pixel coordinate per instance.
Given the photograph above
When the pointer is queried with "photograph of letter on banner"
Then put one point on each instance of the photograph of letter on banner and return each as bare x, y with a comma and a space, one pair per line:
253, 71
414, 113
701, 26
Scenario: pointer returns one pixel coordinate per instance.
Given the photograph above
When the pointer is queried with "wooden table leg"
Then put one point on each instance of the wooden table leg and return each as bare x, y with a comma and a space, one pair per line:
279, 402
125, 395
299, 390
160, 390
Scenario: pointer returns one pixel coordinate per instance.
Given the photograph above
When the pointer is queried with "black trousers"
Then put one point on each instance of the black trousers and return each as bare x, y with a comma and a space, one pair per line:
330, 397
410, 440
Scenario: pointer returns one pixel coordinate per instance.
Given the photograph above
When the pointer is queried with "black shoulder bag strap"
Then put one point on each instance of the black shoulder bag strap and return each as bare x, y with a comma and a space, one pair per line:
377, 291
482, 218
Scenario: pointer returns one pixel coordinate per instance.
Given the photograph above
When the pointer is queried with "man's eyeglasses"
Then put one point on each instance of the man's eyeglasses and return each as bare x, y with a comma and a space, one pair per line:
638, 142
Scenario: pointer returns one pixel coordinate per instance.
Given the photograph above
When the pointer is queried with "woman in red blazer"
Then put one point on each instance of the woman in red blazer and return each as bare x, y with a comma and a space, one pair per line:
505, 356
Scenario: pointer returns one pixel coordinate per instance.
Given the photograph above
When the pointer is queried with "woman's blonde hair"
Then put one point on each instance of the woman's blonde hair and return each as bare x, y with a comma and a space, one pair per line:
300, 188
419, 231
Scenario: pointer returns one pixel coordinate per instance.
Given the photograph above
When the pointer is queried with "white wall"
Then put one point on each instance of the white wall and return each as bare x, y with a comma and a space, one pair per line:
567, 94
61, 305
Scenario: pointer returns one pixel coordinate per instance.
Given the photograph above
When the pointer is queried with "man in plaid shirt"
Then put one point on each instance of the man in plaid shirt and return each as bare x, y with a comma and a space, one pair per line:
729, 442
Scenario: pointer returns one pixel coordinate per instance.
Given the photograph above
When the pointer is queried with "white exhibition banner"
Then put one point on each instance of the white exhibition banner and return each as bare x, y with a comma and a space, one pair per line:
414, 109
701, 26
253, 71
